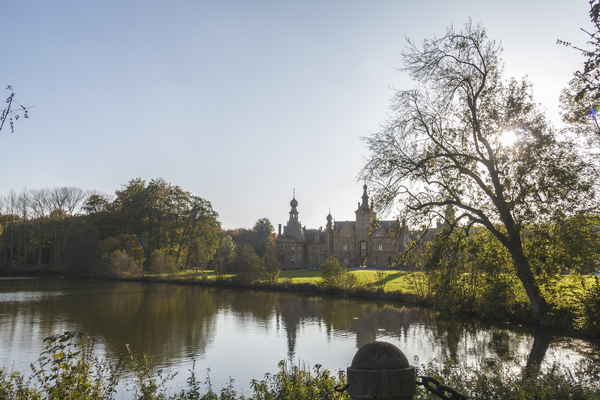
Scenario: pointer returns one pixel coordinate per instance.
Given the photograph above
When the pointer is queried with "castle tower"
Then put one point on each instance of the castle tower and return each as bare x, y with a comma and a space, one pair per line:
364, 217
291, 244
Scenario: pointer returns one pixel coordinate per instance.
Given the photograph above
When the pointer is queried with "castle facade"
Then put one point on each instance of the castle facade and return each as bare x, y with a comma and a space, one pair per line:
362, 242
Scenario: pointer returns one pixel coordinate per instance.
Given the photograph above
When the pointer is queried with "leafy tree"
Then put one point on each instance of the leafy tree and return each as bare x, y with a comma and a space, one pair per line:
123, 242
272, 266
445, 144
580, 113
225, 257
249, 266
82, 244
261, 232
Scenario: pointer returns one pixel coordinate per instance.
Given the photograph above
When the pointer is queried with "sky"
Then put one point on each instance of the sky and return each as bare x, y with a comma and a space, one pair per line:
239, 102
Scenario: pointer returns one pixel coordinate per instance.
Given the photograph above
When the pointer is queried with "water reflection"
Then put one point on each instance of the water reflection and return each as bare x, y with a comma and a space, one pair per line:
244, 333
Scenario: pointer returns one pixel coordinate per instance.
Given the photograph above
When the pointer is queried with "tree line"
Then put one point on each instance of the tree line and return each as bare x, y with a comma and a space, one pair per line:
150, 226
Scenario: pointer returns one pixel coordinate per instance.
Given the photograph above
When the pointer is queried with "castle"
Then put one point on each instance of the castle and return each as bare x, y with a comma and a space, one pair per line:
364, 242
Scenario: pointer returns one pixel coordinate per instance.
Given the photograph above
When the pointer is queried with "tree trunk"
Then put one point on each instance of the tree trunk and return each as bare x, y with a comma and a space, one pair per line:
539, 307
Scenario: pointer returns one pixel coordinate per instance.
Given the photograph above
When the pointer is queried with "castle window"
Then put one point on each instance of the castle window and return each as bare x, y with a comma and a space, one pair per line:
293, 247
380, 247
345, 246
351, 246
389, 260
377, 234
282, 247
376, 259
293, 259
347, 233
363, 235
317, 239
372, 246
345, 259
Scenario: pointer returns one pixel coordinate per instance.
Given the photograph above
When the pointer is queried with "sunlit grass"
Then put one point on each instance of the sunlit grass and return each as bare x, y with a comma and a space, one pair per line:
394, 280
567, 286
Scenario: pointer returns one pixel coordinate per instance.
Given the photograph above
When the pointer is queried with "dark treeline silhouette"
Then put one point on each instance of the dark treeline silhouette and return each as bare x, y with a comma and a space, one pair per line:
145, 226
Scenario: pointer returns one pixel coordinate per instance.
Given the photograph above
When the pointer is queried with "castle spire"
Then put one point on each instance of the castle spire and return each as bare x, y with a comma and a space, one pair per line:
365, 198
294, 211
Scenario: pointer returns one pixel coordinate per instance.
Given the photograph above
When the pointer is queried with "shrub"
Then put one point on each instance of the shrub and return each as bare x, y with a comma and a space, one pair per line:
120, 264
337, 276
589, 310
161, 263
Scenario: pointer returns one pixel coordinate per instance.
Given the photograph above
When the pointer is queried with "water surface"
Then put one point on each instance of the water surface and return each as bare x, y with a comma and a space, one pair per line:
244, 333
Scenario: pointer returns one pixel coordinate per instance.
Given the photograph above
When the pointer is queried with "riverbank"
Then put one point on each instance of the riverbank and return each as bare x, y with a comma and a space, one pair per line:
393, 286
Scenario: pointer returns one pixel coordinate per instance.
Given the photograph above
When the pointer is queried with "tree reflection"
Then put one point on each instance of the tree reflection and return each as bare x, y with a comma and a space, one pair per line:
176, 321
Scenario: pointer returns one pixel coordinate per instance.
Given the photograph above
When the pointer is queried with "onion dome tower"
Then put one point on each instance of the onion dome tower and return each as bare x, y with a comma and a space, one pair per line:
291, 244
329, 226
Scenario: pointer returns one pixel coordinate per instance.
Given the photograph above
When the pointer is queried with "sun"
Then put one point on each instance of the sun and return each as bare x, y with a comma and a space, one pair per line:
509, 138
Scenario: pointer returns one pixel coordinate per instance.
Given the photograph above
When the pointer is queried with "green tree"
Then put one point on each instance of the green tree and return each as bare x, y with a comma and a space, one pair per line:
272, 266
249, 266
337, 276
261, 232
124, 242
82, 244
445, 144
225, 257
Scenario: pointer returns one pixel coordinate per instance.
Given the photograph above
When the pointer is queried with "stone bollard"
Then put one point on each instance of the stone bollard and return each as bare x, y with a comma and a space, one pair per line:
380, 370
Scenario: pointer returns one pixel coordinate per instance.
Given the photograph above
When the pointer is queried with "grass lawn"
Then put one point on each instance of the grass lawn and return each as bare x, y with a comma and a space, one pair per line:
393, 280
569, 287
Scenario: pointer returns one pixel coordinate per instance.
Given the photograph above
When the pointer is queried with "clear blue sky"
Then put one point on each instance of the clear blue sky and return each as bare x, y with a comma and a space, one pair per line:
238, 102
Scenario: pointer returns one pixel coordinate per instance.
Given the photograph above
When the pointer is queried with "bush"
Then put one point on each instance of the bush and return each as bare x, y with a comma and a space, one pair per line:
589, 310
161, 263
337, 276
119, 264
496, 382
66, 369
248, 265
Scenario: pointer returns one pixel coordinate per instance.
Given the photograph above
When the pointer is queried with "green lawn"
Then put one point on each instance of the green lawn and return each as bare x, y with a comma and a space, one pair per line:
393, 280
569, 287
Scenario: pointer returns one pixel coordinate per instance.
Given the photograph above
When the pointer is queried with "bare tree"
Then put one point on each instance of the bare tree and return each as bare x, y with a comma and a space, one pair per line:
10, 112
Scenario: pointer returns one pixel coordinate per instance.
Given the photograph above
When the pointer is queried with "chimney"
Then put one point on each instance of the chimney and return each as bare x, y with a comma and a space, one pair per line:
279, 229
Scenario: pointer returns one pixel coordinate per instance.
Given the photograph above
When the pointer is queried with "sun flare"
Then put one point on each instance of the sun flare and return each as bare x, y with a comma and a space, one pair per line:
509, 138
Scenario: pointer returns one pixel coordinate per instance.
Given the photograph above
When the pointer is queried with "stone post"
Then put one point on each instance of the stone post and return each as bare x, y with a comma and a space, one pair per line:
380, 371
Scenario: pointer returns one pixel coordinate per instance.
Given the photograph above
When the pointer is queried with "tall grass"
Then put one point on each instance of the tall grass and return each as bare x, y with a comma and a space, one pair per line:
68, 369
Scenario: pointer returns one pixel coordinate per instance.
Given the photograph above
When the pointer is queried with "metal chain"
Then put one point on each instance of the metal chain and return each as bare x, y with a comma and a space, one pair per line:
440, 390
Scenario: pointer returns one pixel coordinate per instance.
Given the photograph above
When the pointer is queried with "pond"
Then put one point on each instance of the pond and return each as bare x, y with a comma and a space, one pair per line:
243, 334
